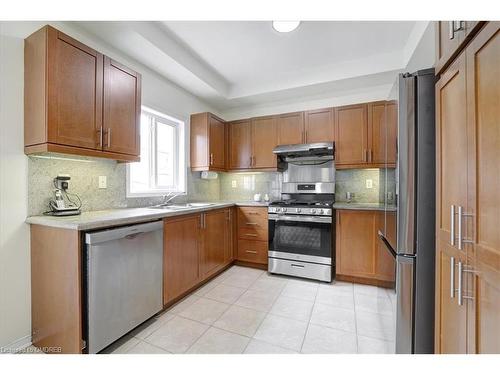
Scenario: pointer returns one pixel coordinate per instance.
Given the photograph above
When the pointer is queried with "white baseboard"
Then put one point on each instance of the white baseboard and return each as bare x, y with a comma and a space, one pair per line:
16, 345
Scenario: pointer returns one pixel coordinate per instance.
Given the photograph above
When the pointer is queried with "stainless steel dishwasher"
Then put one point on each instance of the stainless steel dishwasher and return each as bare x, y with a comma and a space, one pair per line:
124, 280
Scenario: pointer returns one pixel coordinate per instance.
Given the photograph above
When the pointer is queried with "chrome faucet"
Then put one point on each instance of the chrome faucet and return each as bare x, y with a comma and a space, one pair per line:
168, 197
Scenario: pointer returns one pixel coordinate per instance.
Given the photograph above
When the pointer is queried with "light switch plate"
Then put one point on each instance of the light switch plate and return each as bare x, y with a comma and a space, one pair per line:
103, 184
369, 183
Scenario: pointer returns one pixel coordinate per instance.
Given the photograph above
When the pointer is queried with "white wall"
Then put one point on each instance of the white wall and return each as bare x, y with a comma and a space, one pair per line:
157, 93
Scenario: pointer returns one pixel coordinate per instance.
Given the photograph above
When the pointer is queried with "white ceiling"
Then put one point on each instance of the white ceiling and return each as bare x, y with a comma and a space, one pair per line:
232, 64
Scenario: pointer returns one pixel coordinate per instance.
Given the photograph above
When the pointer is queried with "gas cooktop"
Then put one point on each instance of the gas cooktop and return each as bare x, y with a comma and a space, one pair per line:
302, 203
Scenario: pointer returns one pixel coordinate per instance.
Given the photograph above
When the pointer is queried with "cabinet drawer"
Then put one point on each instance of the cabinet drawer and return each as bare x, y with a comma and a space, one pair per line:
252, 251
253, 234
252, 223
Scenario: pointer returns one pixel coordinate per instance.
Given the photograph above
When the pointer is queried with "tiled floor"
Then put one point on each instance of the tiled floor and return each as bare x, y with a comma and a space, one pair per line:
245, 310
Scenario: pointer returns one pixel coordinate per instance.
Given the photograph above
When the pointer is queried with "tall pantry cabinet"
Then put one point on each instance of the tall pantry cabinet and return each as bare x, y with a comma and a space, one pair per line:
468, 209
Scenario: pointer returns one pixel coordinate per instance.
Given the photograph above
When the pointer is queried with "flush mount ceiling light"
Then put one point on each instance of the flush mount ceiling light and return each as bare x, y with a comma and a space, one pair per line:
285, 26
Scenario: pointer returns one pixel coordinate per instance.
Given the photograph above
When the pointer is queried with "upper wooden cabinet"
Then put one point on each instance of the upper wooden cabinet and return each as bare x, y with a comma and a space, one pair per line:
366, 135
240, 145
208, 142
264, 140
291, 128
251, 144
78, 101
451, 36
319, 126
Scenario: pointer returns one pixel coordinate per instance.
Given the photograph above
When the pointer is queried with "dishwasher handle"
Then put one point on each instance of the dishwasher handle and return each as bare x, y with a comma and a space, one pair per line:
128, 232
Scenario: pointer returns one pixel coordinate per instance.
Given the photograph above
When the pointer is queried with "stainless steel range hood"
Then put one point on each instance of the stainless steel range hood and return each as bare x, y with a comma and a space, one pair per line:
306, 149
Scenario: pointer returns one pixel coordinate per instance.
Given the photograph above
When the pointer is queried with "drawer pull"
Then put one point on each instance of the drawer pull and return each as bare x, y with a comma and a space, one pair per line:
297, 265
251, 251
251, 235
252, 224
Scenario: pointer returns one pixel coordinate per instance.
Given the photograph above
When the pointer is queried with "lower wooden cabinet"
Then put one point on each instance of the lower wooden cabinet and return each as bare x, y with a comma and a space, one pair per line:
252, 232
360, 254
195, 248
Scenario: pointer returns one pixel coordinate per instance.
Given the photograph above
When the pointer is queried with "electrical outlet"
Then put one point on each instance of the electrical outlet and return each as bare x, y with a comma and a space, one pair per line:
390, 196
103, 184
369, 184
234, 183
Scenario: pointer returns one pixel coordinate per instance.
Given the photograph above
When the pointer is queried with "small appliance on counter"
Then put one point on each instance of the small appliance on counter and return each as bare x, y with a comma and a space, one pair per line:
58, 206
301, 225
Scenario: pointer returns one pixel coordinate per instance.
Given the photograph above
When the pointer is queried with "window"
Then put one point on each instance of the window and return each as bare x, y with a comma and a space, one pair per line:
162, 166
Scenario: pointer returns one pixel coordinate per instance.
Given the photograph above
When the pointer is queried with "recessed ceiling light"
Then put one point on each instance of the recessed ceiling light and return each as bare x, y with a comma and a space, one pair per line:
285, 26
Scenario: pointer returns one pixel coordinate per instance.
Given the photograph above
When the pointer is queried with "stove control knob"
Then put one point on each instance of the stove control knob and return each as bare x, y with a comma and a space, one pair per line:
284, 209
278, 209
299, 210
313, 210
320, 211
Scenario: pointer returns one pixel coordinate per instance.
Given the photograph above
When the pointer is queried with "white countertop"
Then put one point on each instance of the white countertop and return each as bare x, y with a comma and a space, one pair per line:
123, 216
363, 206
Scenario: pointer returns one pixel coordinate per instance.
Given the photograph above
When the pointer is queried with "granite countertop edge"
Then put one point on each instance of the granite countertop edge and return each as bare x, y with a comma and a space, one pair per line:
123, 216
364, 206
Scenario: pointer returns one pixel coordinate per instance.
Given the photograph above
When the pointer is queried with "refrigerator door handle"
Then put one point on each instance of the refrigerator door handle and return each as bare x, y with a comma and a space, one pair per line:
387, 244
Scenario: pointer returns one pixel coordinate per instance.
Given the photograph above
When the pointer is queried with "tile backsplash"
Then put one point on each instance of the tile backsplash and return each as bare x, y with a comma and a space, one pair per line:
85, 173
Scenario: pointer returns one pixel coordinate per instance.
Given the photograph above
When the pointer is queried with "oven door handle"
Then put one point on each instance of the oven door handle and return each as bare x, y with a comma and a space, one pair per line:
300, 218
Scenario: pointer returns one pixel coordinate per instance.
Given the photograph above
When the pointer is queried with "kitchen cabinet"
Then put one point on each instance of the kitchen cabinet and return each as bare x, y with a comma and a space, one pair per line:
181, 255
78, 101
319, 126
360, 254
351, 134
208, 142
122, 109
196, 248
252, 235
366, 135
468, 250
383, 133
450, 38
264, 140
216, 228
240, 144
252, 143
291, 128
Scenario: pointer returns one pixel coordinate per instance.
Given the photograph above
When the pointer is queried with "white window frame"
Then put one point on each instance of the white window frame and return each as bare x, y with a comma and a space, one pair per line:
180, 177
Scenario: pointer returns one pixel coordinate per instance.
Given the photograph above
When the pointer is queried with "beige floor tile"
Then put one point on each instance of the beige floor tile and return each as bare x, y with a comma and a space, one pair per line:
204, 289
262, 347
217, 341
380, 305
368, 345
338, 287
240, 320
268, 284
322, 340
146, 348
329, 296
121, 346
183, 304
281, 331
177, 335
301, 289
370, 290
225, 293
261, 301
376, 326
292, 308
204, 310
151, 325
333, 317
241, 280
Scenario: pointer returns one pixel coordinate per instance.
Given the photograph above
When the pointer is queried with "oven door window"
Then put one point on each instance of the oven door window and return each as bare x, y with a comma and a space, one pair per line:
305, 238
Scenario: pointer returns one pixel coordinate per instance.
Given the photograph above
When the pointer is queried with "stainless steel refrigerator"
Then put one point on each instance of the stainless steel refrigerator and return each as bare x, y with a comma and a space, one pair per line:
416, 191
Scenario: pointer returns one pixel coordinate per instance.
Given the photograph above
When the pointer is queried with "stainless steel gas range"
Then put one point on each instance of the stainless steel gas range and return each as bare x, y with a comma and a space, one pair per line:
301, 225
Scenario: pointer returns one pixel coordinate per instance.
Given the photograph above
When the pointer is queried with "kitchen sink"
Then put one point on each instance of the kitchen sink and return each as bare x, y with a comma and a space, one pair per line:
181, 206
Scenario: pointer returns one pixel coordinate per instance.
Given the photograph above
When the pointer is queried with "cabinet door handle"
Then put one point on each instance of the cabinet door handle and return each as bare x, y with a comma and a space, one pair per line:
108, 136
305, 136
452, 225
251, 251
452, 277
99, 132
251, 223
461, 240
460, 269
371, 155
451, 29
211, 158
250, 235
